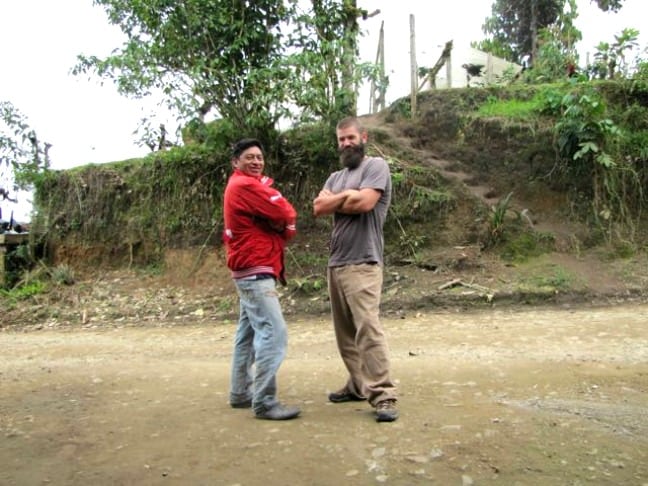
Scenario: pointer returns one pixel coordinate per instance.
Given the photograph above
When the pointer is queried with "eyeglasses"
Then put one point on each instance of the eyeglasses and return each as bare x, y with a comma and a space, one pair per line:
251, 157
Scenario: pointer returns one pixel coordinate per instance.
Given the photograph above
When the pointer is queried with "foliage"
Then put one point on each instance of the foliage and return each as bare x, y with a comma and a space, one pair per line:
324, 72
610, 58
130, 212
204, 56
590, 147
514, 25
497, 221
137, 207
17, 260
524, 245
557, 56
22, 155
23, 292
247, 62
311, 284
62, 275
609, 5
304, 159
418, 194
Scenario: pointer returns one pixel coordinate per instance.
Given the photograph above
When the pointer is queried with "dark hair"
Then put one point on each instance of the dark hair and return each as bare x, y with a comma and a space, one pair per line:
242, 145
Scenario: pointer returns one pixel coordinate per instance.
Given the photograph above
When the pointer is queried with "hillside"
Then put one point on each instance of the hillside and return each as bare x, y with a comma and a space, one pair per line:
476, 221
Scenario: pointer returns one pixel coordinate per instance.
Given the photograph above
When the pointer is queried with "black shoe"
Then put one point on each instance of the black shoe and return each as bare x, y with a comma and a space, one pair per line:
386, 411
278, 412
344, 395
245, 404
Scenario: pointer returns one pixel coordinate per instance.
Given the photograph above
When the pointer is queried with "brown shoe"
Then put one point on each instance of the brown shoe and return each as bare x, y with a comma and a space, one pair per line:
386, 411
344, 395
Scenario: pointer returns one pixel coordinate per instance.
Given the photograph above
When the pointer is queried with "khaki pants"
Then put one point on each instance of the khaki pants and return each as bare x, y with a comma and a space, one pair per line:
355, 301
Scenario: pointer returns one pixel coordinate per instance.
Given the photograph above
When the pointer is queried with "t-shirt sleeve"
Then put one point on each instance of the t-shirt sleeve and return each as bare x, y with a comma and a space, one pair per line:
376, 175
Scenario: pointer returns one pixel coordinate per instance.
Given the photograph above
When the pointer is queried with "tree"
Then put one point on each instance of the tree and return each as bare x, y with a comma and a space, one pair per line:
246, 62
22, 155
610, 59
557, 56
609, 5
324, 60
514, 27
207, 57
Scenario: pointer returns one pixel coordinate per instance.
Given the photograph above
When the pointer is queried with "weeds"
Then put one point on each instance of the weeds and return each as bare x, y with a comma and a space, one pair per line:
311, 284
497, 221
559, 280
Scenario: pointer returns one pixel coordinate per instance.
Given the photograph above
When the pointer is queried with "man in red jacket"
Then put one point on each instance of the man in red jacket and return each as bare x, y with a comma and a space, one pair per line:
258, 223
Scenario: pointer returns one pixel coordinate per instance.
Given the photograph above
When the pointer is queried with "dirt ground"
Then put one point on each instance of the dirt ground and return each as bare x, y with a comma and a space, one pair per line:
541, 395
509, 374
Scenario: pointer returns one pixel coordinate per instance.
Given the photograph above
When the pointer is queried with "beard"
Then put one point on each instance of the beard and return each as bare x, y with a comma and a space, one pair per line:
352, 155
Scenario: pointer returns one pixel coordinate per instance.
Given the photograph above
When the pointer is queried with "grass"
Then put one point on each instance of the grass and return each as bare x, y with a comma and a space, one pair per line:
513, 109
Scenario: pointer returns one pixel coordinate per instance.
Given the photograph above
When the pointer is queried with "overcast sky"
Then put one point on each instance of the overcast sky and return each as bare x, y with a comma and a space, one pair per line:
89, 123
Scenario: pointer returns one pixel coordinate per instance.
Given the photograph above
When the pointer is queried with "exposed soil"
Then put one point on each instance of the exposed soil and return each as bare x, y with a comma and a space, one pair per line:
495, 396
122, 378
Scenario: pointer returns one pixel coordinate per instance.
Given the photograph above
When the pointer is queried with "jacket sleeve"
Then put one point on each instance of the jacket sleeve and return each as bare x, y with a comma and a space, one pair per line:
266, 203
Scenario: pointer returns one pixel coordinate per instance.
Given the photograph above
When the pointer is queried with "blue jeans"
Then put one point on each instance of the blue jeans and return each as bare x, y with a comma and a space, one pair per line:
259, 344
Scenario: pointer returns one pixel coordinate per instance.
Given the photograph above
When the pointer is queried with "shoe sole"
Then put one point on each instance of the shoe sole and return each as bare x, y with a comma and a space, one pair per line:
386, 418
283, 417
241, 405
349, 398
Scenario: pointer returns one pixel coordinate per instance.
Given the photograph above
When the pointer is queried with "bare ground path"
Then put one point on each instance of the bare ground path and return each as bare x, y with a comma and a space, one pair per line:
539, 396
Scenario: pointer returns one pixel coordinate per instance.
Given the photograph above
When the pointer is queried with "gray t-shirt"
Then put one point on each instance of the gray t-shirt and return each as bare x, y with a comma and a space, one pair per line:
358, 238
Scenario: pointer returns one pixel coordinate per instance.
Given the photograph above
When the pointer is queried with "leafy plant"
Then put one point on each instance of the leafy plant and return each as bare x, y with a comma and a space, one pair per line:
556, 56
310, 284
497, 220
62, 274
588, 143
610, 58
23, 156
23, 292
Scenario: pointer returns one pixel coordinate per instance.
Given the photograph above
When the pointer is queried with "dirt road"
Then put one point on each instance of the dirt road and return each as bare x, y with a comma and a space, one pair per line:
528, 397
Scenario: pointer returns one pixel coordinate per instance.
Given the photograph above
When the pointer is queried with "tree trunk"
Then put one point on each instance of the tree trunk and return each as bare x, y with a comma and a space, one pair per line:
534, 30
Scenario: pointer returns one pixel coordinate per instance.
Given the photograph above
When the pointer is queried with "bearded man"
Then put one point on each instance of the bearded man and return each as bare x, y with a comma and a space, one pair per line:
358, 197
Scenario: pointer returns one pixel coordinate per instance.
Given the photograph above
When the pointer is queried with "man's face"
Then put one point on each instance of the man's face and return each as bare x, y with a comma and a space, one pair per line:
351, 146
250, 161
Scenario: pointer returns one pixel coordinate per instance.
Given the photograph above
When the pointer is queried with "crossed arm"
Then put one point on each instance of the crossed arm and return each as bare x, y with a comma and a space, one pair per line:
349, 201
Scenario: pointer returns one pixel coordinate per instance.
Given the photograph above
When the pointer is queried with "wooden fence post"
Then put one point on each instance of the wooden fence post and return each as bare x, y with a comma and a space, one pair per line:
449, 70
377, 103
413, 66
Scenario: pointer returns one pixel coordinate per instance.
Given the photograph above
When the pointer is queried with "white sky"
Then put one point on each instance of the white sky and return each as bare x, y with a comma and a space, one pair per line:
89, 123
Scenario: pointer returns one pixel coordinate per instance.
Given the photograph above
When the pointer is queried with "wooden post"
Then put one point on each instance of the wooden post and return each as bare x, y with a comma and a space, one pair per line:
489, 69
413, 66
377, 103
449, 70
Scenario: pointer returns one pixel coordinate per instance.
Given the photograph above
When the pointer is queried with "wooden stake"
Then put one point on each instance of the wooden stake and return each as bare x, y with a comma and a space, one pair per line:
413, 67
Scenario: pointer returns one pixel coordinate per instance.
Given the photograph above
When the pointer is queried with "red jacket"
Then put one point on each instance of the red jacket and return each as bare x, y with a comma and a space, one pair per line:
258, 222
